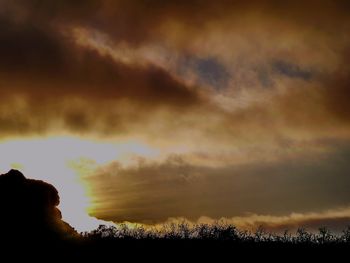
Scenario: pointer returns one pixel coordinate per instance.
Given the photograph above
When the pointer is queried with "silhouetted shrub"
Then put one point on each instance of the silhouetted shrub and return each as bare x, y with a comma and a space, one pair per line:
29, 210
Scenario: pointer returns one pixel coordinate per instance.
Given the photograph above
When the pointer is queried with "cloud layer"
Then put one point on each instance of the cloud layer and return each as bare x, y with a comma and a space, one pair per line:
237, 96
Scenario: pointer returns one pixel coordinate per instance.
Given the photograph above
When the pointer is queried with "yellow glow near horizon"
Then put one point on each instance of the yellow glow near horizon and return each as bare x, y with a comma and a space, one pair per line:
52, 160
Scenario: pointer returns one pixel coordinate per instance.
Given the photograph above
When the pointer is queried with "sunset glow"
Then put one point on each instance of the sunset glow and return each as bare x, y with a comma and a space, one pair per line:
61, 161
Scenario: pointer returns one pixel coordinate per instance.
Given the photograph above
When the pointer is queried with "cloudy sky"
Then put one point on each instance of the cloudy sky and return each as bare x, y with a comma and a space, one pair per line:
149, 111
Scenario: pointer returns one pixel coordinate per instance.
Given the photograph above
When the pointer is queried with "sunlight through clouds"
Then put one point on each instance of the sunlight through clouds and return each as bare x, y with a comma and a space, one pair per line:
55, 160
141, 111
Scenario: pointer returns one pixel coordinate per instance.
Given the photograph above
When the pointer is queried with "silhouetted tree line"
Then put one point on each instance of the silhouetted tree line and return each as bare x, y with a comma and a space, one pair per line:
215, 232
28, 210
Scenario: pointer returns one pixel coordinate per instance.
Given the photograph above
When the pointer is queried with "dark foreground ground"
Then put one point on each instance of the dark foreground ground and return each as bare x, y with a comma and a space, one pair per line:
170, 250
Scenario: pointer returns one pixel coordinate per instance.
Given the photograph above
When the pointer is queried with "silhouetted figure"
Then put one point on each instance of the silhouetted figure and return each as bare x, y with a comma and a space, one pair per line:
28, 210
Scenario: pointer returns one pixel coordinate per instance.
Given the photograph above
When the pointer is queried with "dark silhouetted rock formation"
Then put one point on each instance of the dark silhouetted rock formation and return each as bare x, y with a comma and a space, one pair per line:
28, 210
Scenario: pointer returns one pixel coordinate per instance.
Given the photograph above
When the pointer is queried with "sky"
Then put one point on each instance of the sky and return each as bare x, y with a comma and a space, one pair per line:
154, 111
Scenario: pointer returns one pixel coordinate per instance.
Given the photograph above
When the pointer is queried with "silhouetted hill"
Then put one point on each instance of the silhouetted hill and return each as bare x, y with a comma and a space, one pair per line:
29, 210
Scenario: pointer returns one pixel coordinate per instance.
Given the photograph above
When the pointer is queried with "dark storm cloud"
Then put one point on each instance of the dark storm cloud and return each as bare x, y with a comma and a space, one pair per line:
42, 62
337, 95
137, 21
26, 48
47, 69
